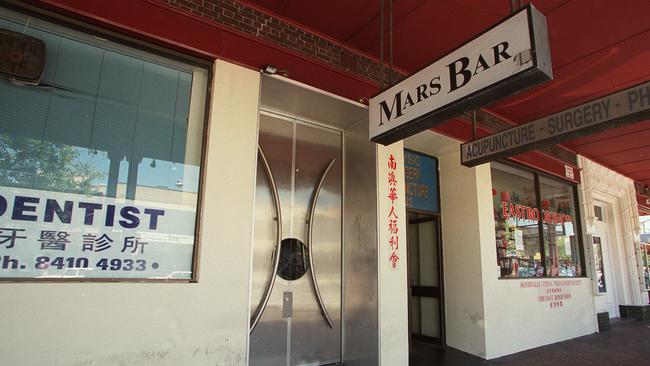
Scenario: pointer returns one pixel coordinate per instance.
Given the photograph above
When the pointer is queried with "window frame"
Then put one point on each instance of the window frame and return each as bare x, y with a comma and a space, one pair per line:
165, 55
645, 263
540, 223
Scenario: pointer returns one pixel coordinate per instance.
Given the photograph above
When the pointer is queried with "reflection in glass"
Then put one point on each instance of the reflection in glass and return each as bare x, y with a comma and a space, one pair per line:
558, 218
99, 162
524, 209
43, 165
294, 259
600, 268
516, 222
96, 121
645, 252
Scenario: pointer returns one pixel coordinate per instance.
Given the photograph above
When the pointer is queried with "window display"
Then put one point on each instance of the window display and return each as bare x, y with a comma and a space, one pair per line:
99, 161
645, 258
517, 232
560, 244
534, 225
598, 261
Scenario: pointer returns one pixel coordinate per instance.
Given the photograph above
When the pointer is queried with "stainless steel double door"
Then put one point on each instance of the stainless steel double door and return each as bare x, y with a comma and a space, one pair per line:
296, 281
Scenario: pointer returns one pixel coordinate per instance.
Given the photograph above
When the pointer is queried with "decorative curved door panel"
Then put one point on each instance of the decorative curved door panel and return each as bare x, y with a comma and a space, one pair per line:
296, 282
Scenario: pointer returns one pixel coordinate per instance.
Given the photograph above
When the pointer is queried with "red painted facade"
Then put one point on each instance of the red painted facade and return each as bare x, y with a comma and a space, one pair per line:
253, 38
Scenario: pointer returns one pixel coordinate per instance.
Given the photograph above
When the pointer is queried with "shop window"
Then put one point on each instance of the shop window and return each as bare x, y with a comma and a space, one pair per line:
597, 246
294, 259
598, 212
645, 263
535, 225
100, 161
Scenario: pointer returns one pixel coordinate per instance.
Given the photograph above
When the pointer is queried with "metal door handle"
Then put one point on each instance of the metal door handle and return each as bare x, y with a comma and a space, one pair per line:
276, 257
309, 240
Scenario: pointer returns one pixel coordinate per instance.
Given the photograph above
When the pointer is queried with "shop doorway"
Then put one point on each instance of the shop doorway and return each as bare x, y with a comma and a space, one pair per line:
604, 260
315, 230
426, 307
296, 282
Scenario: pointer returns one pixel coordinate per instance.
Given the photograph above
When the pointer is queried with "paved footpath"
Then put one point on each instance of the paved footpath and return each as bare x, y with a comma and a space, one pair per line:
627, 343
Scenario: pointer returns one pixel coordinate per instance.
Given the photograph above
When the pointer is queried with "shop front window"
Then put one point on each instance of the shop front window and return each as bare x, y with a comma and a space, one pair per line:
558, 222
597, 246
535, 225
645, 248
100, 161
517, 232
645, 259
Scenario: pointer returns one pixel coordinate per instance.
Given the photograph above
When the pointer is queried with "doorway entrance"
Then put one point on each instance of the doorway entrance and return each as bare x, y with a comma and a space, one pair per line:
426, 312
296, 282
604, 250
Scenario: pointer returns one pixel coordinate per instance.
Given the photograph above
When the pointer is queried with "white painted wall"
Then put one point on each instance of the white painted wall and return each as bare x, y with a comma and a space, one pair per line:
514, 318
393, 284
486, 316
516, 321
160, 324
463, 228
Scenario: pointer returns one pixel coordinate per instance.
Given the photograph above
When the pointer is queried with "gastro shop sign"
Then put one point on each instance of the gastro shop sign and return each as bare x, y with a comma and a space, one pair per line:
510, 56
626, 106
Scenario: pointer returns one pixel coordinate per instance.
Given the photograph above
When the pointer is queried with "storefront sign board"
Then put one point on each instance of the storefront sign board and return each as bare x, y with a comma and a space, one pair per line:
421, 178
626, 106
62, 235
510, 56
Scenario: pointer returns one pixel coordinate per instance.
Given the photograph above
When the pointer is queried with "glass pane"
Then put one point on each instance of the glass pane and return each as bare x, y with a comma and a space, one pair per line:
558, 218
99, 164
598, 260
294, 259
645, 252
413, 249
429, 317
428, 239
645, 249
598, 212
416, 324
516, 219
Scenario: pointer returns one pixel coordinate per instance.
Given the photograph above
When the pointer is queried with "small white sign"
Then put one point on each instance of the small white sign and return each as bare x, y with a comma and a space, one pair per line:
519, 239
568, 234
568, 172
567, 248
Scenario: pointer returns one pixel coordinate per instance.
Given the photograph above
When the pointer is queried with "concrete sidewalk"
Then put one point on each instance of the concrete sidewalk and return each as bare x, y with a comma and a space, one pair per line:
626, 343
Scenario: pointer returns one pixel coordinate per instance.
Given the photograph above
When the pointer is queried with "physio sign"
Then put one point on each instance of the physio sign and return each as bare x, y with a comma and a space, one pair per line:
626, 106
508, 57
61, 235
421, 180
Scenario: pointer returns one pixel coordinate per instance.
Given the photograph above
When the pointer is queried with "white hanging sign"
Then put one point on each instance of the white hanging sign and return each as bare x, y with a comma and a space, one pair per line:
511, 56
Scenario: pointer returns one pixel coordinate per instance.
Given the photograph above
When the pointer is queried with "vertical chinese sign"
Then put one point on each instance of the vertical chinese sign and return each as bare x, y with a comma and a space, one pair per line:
392, 258
393, 226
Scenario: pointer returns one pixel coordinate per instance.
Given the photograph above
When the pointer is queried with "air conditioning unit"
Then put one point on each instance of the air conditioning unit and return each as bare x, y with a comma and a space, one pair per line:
22, 58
